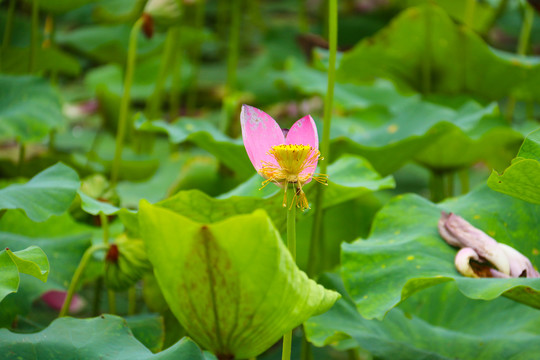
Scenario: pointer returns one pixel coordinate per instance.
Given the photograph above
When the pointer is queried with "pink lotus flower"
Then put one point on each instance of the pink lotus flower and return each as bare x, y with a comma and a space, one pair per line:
280, 156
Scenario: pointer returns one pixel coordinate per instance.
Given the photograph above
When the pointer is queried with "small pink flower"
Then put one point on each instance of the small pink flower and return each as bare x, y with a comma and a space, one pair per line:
280, 156
55, 299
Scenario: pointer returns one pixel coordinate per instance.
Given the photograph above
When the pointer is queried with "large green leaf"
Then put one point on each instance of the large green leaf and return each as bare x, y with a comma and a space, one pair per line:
405, 252
389, 128
522, 178
426, 36
48, 193
104, 337
438, 323
31, 261
29, 108
233, 284
230, 151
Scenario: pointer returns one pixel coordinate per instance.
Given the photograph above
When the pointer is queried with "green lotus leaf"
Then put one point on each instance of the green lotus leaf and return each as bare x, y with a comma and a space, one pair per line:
31, 261
405, 253
232, 284
94, 207
349, 177
457, 9
104, 337
390, 128
522, 178
61, 238
29, 108
48, 193
206, 136
148, 329
425, 325
50, 59
62, 6
427, 35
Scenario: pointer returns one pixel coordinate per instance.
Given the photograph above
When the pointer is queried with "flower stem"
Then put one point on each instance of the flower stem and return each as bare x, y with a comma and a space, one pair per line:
124, 103
77, 276
316, 234
232, 60
291, 244
34, 36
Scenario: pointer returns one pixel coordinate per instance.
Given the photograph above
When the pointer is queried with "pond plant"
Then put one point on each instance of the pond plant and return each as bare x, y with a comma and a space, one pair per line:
160, 199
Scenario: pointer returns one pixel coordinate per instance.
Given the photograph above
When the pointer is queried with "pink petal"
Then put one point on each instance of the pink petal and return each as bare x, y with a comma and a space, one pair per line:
55, 300
260, 132
304, 132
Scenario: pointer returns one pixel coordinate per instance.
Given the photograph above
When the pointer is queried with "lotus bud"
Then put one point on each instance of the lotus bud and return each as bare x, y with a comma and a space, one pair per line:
125, 263
164, 12
458, 232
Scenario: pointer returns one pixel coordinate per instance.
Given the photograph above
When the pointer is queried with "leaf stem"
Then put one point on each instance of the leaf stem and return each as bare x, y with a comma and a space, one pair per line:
196, 58
9, 27
123, 125
426, 58
111, 296
525, 34
303, 22
22, 156
316, 234
77, 276
469, 12
132, 300
174, 94
464, 180
291, 244
437, 186
34, 36
522, 49
154, 102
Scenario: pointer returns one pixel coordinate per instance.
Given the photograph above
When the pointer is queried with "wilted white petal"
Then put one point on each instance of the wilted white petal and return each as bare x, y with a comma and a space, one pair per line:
462, 262
458, 232
520, 266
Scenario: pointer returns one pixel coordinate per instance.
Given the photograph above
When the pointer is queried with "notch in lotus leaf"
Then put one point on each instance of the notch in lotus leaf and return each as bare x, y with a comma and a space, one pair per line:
233, 284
